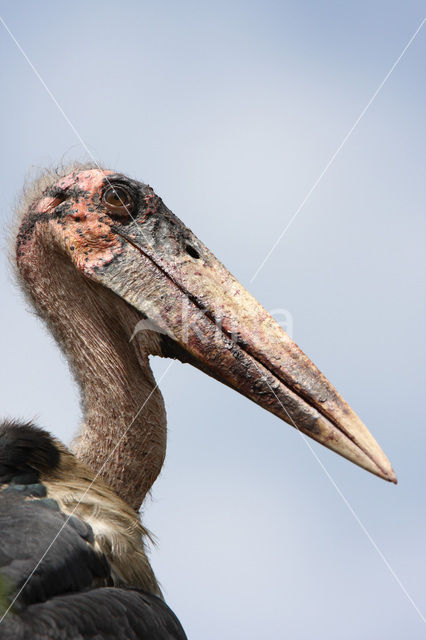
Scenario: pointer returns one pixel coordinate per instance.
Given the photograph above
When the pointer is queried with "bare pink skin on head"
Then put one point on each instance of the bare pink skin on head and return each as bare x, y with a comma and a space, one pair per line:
83, 224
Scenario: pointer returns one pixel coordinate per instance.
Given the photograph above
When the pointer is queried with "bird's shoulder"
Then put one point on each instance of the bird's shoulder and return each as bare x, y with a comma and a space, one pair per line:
55, 580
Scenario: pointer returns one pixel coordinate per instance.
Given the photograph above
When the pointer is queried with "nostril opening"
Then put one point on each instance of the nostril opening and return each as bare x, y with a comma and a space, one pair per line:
192, 252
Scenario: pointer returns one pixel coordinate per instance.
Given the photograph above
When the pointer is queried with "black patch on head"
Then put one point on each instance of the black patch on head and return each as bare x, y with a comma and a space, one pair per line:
25, 450
27, 226
67, 197
70, 192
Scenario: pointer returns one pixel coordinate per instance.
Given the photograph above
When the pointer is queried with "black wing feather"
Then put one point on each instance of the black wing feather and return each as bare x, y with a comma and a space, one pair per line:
101, 614
27, 529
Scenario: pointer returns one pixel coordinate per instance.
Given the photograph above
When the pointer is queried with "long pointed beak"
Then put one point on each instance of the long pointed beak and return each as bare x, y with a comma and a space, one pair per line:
208, 318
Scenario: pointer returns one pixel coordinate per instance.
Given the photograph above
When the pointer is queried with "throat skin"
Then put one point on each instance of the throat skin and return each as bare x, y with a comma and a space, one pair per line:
123, 432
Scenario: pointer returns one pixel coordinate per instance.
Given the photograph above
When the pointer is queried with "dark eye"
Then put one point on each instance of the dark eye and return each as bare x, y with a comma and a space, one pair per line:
119, 200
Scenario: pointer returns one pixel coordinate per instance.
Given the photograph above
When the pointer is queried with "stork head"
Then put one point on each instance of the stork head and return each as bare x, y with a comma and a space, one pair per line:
116, 232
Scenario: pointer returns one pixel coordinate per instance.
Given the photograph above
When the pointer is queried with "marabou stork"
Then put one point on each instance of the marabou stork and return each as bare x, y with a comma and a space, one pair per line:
99, 254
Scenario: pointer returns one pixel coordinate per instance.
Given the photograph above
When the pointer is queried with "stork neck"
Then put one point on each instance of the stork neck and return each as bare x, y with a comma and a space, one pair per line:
123, 432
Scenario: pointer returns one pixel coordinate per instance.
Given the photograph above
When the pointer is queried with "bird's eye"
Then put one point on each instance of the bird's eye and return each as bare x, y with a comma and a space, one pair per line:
119, 200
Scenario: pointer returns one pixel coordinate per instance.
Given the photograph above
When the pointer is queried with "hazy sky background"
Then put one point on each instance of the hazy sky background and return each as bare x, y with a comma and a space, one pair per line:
231, 110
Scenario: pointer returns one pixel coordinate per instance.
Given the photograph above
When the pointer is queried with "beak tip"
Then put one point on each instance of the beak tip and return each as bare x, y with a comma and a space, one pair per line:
387, 473
393, 478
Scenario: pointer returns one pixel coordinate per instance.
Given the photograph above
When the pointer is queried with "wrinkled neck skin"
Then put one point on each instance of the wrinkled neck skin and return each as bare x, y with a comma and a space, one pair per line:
123, 433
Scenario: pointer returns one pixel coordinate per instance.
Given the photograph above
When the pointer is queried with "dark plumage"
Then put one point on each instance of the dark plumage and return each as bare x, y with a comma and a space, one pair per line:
100, 614
58, 583
25, 450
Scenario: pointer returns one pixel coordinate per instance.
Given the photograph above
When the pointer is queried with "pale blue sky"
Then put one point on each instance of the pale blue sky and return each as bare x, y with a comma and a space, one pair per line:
231, 111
